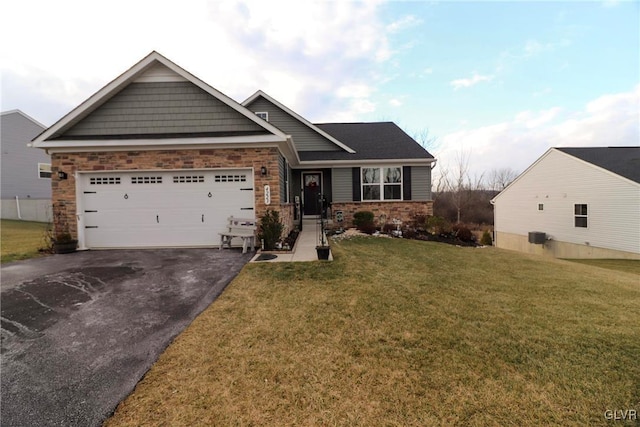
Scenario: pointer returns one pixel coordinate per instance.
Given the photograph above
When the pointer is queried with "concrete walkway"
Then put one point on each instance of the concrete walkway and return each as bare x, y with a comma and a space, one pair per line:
303, 250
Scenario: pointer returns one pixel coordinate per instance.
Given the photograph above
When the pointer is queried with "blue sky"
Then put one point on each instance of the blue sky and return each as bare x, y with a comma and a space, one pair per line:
501, 81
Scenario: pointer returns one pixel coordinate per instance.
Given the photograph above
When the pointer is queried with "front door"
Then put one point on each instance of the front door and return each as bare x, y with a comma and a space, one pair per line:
312, 188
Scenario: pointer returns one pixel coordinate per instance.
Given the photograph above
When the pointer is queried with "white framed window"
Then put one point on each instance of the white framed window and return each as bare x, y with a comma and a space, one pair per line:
581, 215
44, 170
264, 115
381, 183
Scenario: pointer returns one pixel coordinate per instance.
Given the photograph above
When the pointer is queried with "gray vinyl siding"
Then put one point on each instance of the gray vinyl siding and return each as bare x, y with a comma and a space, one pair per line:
162, 108
421, 183
19, 166
285, 176
341, 184
304, 138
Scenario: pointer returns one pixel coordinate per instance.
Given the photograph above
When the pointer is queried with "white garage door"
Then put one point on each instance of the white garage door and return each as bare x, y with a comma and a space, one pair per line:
161, 208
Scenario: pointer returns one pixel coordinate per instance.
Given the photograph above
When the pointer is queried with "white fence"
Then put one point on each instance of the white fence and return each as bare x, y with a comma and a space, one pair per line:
38, 210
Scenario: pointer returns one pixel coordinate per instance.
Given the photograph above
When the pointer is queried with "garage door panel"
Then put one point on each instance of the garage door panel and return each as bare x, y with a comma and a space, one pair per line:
154, 209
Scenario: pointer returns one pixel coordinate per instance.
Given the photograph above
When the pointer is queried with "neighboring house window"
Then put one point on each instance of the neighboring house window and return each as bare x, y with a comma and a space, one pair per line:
263, 115
382, 183
44, 170
580, 214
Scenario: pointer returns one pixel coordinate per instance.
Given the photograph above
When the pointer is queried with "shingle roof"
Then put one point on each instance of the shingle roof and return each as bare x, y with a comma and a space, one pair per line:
371, 141
624, 161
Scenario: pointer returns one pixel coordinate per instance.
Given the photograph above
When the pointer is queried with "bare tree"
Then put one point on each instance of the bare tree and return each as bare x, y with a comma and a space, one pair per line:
426, 140
458, 182
500, 178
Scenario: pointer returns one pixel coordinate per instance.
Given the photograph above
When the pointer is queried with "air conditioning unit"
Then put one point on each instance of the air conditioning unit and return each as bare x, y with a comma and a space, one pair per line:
537, 237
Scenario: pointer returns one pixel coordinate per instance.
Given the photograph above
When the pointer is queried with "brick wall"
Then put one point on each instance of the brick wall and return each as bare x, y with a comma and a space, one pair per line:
383, 212
64, 191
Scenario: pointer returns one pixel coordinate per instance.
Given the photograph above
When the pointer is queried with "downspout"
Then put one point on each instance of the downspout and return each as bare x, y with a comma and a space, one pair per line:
18, 207
495, 233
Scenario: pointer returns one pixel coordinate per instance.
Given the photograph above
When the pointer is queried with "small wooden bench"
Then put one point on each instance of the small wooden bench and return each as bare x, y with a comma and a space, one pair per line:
244, 228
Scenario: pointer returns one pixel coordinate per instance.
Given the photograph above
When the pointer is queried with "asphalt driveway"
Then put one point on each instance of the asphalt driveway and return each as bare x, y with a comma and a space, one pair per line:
80, 330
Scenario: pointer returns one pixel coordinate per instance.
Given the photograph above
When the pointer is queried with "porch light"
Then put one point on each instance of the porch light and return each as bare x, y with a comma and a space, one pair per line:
62, 175
263, 170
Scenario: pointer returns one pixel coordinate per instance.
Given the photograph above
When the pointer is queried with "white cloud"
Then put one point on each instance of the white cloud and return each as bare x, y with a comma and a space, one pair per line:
468, 82
298, 52
395, 102
403, 23
610, 120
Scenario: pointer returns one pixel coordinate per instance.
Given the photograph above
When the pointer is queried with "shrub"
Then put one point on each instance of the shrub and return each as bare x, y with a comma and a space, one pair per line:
362, 217
438, 225
367, 228
463, 233
486, 239
420, 220
363, 220
270, 229
409, 233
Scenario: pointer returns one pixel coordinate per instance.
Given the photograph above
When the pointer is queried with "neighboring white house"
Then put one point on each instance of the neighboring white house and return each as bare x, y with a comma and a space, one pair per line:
25, 171
586, 201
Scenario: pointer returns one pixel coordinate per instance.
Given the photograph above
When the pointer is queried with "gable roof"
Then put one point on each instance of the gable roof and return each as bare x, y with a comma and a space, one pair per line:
26, 116
298, 117
623, 161
150, 65
371, 141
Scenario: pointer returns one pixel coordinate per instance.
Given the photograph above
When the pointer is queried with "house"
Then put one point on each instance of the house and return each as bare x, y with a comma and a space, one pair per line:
26, 171
160, 158
579, 202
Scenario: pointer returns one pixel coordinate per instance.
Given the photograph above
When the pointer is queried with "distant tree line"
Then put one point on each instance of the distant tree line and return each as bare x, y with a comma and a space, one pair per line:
461, 198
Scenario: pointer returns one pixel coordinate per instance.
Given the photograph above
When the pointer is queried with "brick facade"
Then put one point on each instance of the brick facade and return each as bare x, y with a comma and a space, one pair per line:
384, 212
64, 191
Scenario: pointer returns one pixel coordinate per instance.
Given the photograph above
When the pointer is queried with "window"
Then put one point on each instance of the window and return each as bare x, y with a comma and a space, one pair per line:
382, 183
264, 115
44, 170
540, 206
104, 180
230, 178
580, 215
187, 179
146, 180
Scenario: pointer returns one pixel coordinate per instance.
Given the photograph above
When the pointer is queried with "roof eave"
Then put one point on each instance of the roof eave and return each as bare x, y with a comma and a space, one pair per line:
299, 118
364, 162
127, 77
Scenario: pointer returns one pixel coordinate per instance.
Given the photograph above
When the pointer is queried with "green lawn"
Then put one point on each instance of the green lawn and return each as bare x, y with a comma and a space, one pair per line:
21, 239
403, 333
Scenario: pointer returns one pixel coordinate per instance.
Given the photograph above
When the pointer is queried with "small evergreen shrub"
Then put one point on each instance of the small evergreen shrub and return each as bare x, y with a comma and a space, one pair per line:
486, 239
363, 220
367, 228
270, 229
362, 217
